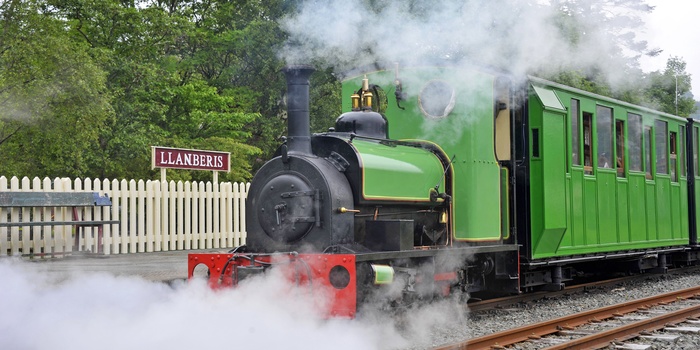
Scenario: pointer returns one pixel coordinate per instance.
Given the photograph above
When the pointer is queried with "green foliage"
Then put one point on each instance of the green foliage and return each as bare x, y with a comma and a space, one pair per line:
233, 46
88, 86
325, 100
618, 76
669, 91
52, 95
581, 81
187, 74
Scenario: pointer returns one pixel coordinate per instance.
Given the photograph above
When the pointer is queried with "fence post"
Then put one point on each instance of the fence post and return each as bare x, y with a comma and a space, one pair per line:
62, 233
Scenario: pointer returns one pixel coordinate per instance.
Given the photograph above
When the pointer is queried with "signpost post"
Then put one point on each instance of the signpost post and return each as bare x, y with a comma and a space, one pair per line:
192, 159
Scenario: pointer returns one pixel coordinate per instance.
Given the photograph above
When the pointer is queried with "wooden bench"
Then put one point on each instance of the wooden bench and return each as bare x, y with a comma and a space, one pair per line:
26, 201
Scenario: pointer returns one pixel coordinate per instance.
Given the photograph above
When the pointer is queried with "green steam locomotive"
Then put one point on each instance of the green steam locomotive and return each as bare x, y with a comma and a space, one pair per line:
459, 180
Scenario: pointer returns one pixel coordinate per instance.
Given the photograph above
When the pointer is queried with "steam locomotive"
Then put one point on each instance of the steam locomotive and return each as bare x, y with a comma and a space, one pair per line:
458, 180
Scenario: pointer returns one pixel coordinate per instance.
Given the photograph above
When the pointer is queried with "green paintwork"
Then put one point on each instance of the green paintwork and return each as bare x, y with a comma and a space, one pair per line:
383, 274
548, 98
577, 213
505, 203
551, 182
467, 134
697, 197
398, 172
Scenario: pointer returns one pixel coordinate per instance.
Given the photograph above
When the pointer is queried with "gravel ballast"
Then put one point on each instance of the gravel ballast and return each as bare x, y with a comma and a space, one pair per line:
458, 326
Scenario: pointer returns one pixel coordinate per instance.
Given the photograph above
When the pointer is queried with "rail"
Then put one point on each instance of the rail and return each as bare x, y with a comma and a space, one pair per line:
520, 334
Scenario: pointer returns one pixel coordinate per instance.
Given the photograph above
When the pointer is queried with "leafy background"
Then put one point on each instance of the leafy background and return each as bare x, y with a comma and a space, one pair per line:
87, 86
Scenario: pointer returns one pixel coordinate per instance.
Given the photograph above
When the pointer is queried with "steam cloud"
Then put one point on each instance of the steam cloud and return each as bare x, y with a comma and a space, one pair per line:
80, 311
517, 36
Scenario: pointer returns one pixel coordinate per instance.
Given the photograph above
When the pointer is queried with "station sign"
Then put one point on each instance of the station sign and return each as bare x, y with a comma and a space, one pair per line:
192, 159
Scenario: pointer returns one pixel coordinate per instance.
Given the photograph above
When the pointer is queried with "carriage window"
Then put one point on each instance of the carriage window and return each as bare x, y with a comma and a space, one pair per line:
661, 147
648, 134
575, 141
620, 149
588, 143
535, 143
501, 91
604, 124
635, 141
673, 155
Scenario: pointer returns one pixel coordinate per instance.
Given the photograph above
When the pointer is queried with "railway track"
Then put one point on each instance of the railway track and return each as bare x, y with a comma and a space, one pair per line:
527, 297
508, 301
569, 337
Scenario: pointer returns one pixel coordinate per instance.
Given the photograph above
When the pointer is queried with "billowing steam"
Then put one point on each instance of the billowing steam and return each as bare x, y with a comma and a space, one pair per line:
77, 311
517, 36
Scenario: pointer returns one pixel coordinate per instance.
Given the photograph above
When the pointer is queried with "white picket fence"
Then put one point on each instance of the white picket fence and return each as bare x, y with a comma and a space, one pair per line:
154, 216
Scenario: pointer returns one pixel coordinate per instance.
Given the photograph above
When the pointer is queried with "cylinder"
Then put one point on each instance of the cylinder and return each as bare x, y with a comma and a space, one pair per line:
298, 125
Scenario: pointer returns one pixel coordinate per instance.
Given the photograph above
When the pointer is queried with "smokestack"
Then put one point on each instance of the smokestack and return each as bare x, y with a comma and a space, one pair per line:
298, 127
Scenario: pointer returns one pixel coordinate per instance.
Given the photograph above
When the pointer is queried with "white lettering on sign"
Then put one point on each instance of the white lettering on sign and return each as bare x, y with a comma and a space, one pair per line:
190, 159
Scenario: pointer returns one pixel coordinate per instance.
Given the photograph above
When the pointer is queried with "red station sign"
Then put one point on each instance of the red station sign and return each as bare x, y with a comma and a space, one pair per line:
178, 158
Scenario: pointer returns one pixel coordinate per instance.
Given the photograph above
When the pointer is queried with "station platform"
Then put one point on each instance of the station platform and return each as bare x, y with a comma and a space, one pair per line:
157, 266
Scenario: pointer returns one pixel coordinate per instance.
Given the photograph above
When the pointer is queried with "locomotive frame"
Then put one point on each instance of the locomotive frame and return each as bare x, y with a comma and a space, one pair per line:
466, 180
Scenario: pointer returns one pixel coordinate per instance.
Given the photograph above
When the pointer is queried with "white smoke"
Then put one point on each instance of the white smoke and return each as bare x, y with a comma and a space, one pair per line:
518, 36
42, 310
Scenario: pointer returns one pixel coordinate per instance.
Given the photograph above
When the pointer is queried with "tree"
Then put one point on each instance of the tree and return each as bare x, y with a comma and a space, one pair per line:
601, 47
165, 92
53, 100
324, 93
669, 91
234, 45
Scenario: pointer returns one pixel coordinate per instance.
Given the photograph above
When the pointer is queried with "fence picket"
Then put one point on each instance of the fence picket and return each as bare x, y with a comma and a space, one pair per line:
180, 216
236, 212
109, 236
215, 214
190, 240
26, 214
201, 218
14, 217
209, 215
118, 244
47, 239
87, 235
172, 222
40, 233
62, 233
